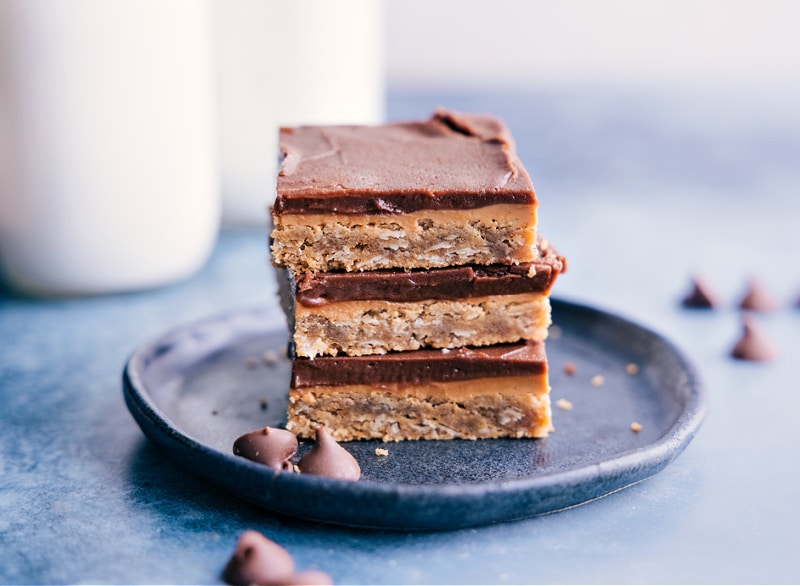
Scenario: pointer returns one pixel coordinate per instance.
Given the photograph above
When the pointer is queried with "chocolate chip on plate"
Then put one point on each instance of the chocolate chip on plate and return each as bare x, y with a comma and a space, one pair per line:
328, 458
271, 446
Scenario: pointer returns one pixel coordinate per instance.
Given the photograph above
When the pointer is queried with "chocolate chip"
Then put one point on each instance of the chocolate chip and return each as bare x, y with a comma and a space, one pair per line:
257, 560
700, 296
756, 298
328, 458
753, 345
271, 446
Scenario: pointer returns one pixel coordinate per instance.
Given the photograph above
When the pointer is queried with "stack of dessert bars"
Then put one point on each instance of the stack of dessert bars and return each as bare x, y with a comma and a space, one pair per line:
414, 281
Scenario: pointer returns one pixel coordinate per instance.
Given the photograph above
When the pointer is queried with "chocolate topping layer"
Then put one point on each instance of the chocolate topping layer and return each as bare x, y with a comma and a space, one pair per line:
315, 289
452, 161
525, 358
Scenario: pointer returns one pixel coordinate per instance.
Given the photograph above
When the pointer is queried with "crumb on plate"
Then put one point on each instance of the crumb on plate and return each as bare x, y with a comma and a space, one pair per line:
598, 380
564, 404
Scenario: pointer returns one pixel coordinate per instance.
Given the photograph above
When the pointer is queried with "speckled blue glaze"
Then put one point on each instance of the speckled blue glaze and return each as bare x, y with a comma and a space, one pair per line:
639, 192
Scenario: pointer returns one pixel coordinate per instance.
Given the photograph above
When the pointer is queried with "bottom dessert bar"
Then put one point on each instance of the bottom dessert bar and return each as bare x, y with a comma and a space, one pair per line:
469, 393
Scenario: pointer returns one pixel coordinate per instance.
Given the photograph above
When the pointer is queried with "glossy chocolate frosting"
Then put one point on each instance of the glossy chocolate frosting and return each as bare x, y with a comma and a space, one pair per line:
315, 289
451, 161
524, 358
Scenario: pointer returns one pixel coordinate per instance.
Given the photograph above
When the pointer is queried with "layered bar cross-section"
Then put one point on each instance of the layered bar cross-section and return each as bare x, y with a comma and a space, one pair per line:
468, 393
377, 312
448, 191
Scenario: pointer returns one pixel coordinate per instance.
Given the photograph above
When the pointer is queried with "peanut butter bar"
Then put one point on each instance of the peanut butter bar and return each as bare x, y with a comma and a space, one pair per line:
449, 191
399, 310
468, 393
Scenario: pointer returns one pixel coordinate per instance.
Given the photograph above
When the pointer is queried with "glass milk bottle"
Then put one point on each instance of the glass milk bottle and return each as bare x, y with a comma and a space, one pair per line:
108, 155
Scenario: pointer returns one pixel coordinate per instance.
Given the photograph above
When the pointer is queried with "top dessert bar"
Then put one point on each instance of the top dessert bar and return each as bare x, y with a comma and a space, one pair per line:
442, 192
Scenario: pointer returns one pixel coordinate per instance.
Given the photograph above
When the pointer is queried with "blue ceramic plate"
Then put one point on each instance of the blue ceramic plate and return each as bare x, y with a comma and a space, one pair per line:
196, 389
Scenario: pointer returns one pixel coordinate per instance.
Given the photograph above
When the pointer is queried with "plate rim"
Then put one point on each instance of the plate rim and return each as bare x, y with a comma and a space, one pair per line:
157, 426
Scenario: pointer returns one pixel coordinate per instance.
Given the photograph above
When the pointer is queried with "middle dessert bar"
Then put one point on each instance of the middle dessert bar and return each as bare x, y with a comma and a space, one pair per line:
383, 311
468, 393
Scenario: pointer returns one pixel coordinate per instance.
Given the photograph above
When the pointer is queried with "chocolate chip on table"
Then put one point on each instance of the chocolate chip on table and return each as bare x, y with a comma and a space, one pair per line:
753, 344
328, 458
700, 297
270, 446
756, 298
258, 560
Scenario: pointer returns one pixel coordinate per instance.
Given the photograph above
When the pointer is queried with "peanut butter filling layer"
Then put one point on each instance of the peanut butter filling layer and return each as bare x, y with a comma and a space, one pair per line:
510, 406
495, 234
358, 328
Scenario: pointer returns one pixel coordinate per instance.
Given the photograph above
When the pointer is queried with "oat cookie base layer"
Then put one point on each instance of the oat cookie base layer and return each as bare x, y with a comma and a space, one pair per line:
514, 406
359, 328
495, 234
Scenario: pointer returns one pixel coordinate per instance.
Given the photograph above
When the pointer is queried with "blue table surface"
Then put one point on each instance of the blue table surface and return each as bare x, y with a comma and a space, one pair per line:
640, 191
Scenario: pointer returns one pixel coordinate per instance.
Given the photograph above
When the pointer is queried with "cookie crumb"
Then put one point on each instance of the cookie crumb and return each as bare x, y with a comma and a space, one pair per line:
598, 380
381, 452
554, 332
251, 362
637, 427
214, 412
269, 357
564, 404
632, 368
263, 404
570, 368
